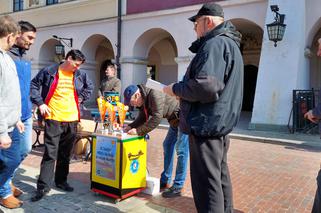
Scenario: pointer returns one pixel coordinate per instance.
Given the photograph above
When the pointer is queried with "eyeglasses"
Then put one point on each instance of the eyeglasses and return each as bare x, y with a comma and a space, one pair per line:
197, 20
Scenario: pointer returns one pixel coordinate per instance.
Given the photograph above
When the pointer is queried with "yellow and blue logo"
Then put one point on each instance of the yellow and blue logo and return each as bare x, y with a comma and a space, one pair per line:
134, 166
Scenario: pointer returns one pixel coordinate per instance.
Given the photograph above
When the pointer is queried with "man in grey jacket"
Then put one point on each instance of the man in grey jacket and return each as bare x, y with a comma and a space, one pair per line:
10, 111
210, 96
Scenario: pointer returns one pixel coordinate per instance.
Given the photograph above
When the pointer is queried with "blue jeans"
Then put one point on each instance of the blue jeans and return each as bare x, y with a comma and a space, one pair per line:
24, 139
177, 140
10, 159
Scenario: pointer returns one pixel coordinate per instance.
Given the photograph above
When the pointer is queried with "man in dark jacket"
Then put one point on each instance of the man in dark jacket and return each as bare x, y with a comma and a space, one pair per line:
314, 116
153, 107
58, 90
25, 39
210, 100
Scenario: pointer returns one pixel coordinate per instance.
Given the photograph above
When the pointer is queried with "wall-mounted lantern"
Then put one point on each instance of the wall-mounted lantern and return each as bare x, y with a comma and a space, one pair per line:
277, 28
59, 48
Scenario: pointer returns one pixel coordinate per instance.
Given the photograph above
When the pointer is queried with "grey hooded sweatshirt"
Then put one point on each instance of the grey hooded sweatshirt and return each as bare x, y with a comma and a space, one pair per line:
10, 99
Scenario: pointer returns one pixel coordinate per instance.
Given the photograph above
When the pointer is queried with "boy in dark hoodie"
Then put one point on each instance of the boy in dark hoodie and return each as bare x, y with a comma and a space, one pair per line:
210, 97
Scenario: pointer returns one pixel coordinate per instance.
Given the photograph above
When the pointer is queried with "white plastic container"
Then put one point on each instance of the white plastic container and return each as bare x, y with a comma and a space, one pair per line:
152, 186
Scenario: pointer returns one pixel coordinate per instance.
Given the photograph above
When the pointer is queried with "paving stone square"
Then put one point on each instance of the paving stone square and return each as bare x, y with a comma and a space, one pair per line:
266, 177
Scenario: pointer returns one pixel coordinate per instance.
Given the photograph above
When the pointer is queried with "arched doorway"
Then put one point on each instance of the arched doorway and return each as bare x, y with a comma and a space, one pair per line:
250, 76
97, 49
158, 48
251, 45
47, 54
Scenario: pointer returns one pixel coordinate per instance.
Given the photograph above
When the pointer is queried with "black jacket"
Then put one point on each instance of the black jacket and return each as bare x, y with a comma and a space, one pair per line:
44, 83
212, 89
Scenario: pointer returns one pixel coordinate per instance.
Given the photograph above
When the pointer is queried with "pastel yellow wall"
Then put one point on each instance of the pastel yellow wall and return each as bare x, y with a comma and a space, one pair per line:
65, 12
5, 6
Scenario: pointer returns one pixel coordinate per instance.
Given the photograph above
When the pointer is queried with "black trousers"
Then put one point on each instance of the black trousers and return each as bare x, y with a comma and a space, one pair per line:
317, 199
59, 139
210, 177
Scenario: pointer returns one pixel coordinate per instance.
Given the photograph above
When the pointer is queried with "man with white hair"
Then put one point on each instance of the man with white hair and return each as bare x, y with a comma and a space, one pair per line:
210, 97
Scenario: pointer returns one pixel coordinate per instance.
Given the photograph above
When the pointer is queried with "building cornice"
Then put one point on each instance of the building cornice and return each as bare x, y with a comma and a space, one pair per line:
53, 13
58, 6
190, 8
131, 60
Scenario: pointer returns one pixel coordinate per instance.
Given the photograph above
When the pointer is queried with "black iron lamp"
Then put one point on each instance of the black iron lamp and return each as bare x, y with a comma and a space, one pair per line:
277, 28
59, 48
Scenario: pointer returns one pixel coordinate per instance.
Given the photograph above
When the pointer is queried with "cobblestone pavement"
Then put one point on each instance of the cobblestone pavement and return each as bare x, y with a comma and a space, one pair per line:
266, 178
82, 200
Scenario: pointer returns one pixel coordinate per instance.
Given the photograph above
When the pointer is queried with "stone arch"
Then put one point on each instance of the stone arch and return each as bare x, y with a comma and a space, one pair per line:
251, 45
96, 45
97, 48
314, 31
47, 53
158, 48
310, 52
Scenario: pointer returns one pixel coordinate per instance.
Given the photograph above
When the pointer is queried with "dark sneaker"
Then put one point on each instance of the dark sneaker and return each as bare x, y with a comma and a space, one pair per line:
65, 187
164, 186
40, 193
172, 192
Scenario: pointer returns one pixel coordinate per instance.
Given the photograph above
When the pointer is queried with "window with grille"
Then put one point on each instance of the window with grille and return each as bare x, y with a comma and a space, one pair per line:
49, 2
17, 5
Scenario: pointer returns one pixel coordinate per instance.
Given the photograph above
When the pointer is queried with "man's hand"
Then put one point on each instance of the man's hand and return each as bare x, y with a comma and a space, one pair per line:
5, 142
20, 126
311, 117
44, 110
132, 131
127, 128
169, 90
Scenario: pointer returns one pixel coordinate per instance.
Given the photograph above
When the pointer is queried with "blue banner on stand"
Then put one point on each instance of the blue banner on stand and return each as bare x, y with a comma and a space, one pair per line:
106, 157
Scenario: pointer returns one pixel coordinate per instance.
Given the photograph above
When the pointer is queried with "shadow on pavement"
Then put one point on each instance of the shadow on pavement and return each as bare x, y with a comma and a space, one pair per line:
38, 151
303, 147
81, 200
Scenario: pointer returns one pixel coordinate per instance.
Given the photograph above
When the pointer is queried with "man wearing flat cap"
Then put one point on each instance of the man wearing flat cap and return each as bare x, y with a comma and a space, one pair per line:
210, 97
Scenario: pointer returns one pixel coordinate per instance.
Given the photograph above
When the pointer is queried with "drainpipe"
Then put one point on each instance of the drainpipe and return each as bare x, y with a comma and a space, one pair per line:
118, 45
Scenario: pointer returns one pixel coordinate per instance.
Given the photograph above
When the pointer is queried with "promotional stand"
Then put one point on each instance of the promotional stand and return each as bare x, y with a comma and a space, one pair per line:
118, 167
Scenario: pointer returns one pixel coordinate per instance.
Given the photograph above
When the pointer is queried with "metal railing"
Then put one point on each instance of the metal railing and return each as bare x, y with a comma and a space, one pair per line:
303, 101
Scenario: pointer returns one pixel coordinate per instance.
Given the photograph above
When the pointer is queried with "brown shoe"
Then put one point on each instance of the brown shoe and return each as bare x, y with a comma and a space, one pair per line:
16, 191
11, 202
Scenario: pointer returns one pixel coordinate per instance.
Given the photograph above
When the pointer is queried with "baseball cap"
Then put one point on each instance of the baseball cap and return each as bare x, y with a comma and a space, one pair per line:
209, 9
129, 92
